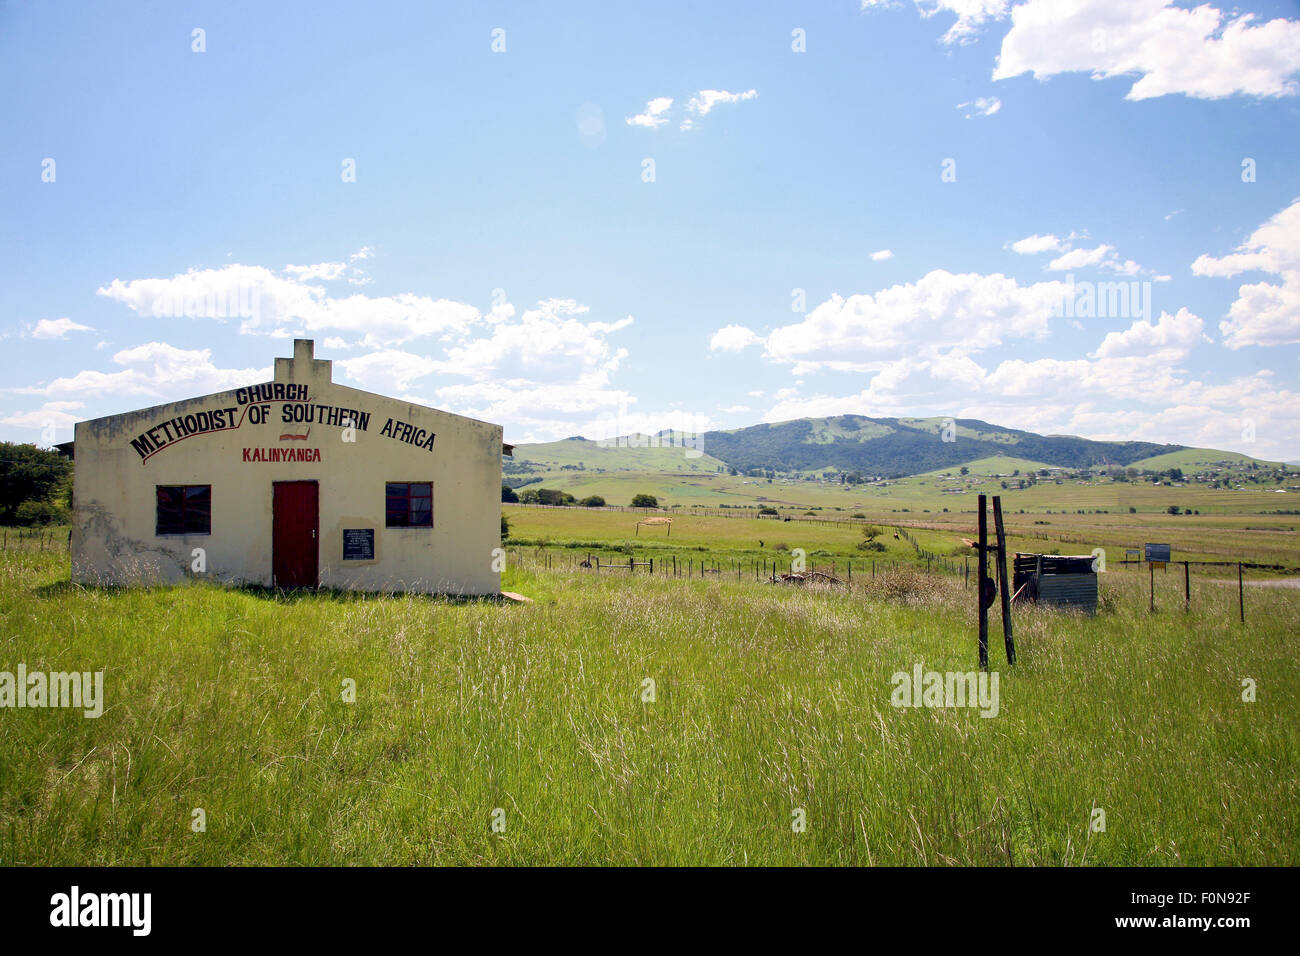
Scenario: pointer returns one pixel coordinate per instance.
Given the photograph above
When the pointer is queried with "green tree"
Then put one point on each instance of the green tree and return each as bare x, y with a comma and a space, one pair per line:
593, 501
508, 494
869, 543
645, 501
31, 474
553, 496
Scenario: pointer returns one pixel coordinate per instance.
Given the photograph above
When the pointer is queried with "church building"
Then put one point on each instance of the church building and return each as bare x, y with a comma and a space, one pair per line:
293, 483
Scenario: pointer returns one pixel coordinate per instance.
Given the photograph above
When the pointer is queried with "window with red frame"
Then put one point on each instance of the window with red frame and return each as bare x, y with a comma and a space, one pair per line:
184, 509
409, 504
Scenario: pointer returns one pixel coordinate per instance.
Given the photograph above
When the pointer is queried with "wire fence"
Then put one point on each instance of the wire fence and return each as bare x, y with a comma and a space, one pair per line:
739, 569
35, 539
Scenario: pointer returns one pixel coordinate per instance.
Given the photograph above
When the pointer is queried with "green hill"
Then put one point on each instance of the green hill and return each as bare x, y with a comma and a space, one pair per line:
667, 451
894, 447
1195, 458
871, 447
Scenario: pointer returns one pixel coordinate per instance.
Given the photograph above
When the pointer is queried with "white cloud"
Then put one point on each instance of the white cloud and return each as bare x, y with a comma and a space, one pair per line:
655, 115
546, 368
1032, 245
732, 338
1080, 258
321, 270
541, 412
940, 311
1168, 340
155, 369
547, 344
1196, 52
882, 255
1264, 313
389, 371
546, 373
1103, 257
971, 14
287, 304
735, 409
57, 414
983, 106
57, 328
703, 102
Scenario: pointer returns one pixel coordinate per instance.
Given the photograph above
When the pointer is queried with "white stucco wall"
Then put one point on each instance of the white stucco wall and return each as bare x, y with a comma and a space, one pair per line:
114, 497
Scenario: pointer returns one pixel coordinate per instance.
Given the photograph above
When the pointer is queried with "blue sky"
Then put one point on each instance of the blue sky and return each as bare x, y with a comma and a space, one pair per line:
871, 208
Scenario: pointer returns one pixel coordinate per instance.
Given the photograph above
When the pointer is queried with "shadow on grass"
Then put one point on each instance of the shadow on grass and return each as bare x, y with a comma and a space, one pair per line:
276, 595
341, 596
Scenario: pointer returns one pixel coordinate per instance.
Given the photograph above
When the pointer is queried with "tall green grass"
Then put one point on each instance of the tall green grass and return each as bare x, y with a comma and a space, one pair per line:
768, 699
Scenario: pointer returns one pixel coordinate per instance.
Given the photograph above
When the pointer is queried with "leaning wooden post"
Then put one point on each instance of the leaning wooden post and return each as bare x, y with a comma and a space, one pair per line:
1241, 594
1187, 586
983, 577
1004, 583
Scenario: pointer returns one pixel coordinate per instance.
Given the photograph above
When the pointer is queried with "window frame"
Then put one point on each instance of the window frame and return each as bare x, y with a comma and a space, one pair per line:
184, 532
408, 498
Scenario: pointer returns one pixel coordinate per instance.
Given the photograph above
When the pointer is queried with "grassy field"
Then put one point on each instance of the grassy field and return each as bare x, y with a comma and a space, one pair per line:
767, 701
1271, 539
929, 491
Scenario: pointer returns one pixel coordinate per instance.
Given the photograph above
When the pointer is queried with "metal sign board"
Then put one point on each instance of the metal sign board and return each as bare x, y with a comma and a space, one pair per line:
1157, 552
358, 544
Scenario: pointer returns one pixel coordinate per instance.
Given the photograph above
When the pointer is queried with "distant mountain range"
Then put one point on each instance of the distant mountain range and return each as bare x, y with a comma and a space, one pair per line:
908, 446
884, 447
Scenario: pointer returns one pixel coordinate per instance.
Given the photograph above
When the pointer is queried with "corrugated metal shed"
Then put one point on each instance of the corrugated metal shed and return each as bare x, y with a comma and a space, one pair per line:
1066, 581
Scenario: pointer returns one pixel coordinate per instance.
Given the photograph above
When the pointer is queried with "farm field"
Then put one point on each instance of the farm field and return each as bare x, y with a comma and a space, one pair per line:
768, 701
920, 492
1262, 539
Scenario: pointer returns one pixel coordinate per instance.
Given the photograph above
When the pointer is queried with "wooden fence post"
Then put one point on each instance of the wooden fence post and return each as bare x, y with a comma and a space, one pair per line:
1241, 594
983, 576
1004, 583
1187, 586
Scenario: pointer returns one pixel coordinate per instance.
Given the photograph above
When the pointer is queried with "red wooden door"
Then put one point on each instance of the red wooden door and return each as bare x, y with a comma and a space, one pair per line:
294, 548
